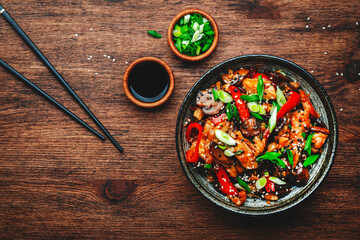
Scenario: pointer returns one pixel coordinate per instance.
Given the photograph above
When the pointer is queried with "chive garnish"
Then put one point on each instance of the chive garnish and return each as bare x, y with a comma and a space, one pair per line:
257, 116
243, 184
273, 157
229, 111
308, 143
250, 98
290, 156
310, 160
260, 87
155, 34
208, 166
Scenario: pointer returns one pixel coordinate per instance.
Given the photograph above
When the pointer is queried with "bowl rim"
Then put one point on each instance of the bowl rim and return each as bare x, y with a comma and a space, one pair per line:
137, 101
172, 44
311, 188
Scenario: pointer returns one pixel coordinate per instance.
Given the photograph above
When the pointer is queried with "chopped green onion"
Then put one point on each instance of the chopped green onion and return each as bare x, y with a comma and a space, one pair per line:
222, 147
155, 34
186, 18
229, 111
178, 44
257, 116
198, 50
228, 153
277, 180
216, 96
310, 160
208, 166
177, 33
273, 157
254, 107
250, 98
236, 113
272, 120
276, 105
224, 96
262, 110
224, 137
201, 28
197, 36
205, 20
280, 98
303, 135
260, 87
290, 156
210, 33
243, 184
239, 152
282, 149
260, 183
308, 143
195, 26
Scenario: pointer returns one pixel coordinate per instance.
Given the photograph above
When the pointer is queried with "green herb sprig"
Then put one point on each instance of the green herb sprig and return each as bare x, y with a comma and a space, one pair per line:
273, 157
155, 34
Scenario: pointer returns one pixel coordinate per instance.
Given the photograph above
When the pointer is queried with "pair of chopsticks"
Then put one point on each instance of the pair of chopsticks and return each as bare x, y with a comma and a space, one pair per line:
46, 62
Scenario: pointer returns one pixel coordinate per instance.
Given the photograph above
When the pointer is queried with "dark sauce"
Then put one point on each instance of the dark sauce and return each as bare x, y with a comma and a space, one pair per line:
149, 81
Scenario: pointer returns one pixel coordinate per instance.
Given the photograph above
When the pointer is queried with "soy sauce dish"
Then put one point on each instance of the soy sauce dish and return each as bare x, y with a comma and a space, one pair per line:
148, 82
219, 191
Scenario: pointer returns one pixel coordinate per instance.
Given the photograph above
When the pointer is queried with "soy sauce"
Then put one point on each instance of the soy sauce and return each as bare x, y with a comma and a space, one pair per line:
149, 81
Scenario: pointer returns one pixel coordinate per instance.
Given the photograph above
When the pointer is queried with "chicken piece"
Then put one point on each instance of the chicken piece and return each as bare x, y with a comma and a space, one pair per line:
250, 151
307, 105
208, 136
205, 99
300, 122
250, 85
198, 114
238, 200
234, 78
319, 139
282, 139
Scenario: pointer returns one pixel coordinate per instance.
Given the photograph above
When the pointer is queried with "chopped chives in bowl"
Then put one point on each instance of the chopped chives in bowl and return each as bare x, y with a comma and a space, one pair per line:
193, 34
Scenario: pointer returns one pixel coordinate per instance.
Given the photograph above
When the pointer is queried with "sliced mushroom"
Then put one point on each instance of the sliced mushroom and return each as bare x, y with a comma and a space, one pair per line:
219, 154
205, 99
250, 127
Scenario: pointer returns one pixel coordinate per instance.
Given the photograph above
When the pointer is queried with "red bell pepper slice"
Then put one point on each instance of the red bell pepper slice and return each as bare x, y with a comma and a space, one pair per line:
262, 75
291, 103
218, 119
270, 185
239, 103
226, 185
192, 155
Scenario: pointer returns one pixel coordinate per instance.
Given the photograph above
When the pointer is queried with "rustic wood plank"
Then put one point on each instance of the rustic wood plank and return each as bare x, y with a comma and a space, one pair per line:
59, 181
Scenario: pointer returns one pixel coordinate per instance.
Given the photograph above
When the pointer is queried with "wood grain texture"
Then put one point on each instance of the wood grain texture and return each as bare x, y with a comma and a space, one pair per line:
59, 181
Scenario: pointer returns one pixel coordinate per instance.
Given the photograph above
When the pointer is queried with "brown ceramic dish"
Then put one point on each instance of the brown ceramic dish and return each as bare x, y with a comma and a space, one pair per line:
135, 100
172, 44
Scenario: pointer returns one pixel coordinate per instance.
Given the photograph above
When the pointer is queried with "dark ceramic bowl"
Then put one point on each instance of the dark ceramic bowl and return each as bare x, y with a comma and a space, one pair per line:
322, 104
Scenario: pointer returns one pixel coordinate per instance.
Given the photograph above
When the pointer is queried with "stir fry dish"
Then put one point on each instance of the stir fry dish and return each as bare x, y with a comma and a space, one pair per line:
254, 135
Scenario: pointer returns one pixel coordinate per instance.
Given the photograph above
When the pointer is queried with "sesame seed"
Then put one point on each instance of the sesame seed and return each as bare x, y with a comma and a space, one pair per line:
96, 73
341, 109
104, 55
311, 71
76, 35
329, 26
90, 56
108, 56
90, 29
126, 63
308, 18
323, 28
358, 74
114, 60
337, 74
307, 26
325, 53
357, 23
341, 74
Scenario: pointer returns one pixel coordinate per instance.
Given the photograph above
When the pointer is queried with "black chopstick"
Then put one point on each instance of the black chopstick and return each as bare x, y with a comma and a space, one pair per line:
46, 62
48, 97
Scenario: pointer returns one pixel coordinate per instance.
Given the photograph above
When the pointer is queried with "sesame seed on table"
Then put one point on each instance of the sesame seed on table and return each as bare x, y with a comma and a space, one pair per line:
59, 181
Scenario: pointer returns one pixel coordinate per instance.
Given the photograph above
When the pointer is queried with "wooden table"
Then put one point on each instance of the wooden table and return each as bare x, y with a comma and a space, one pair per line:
53, 173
